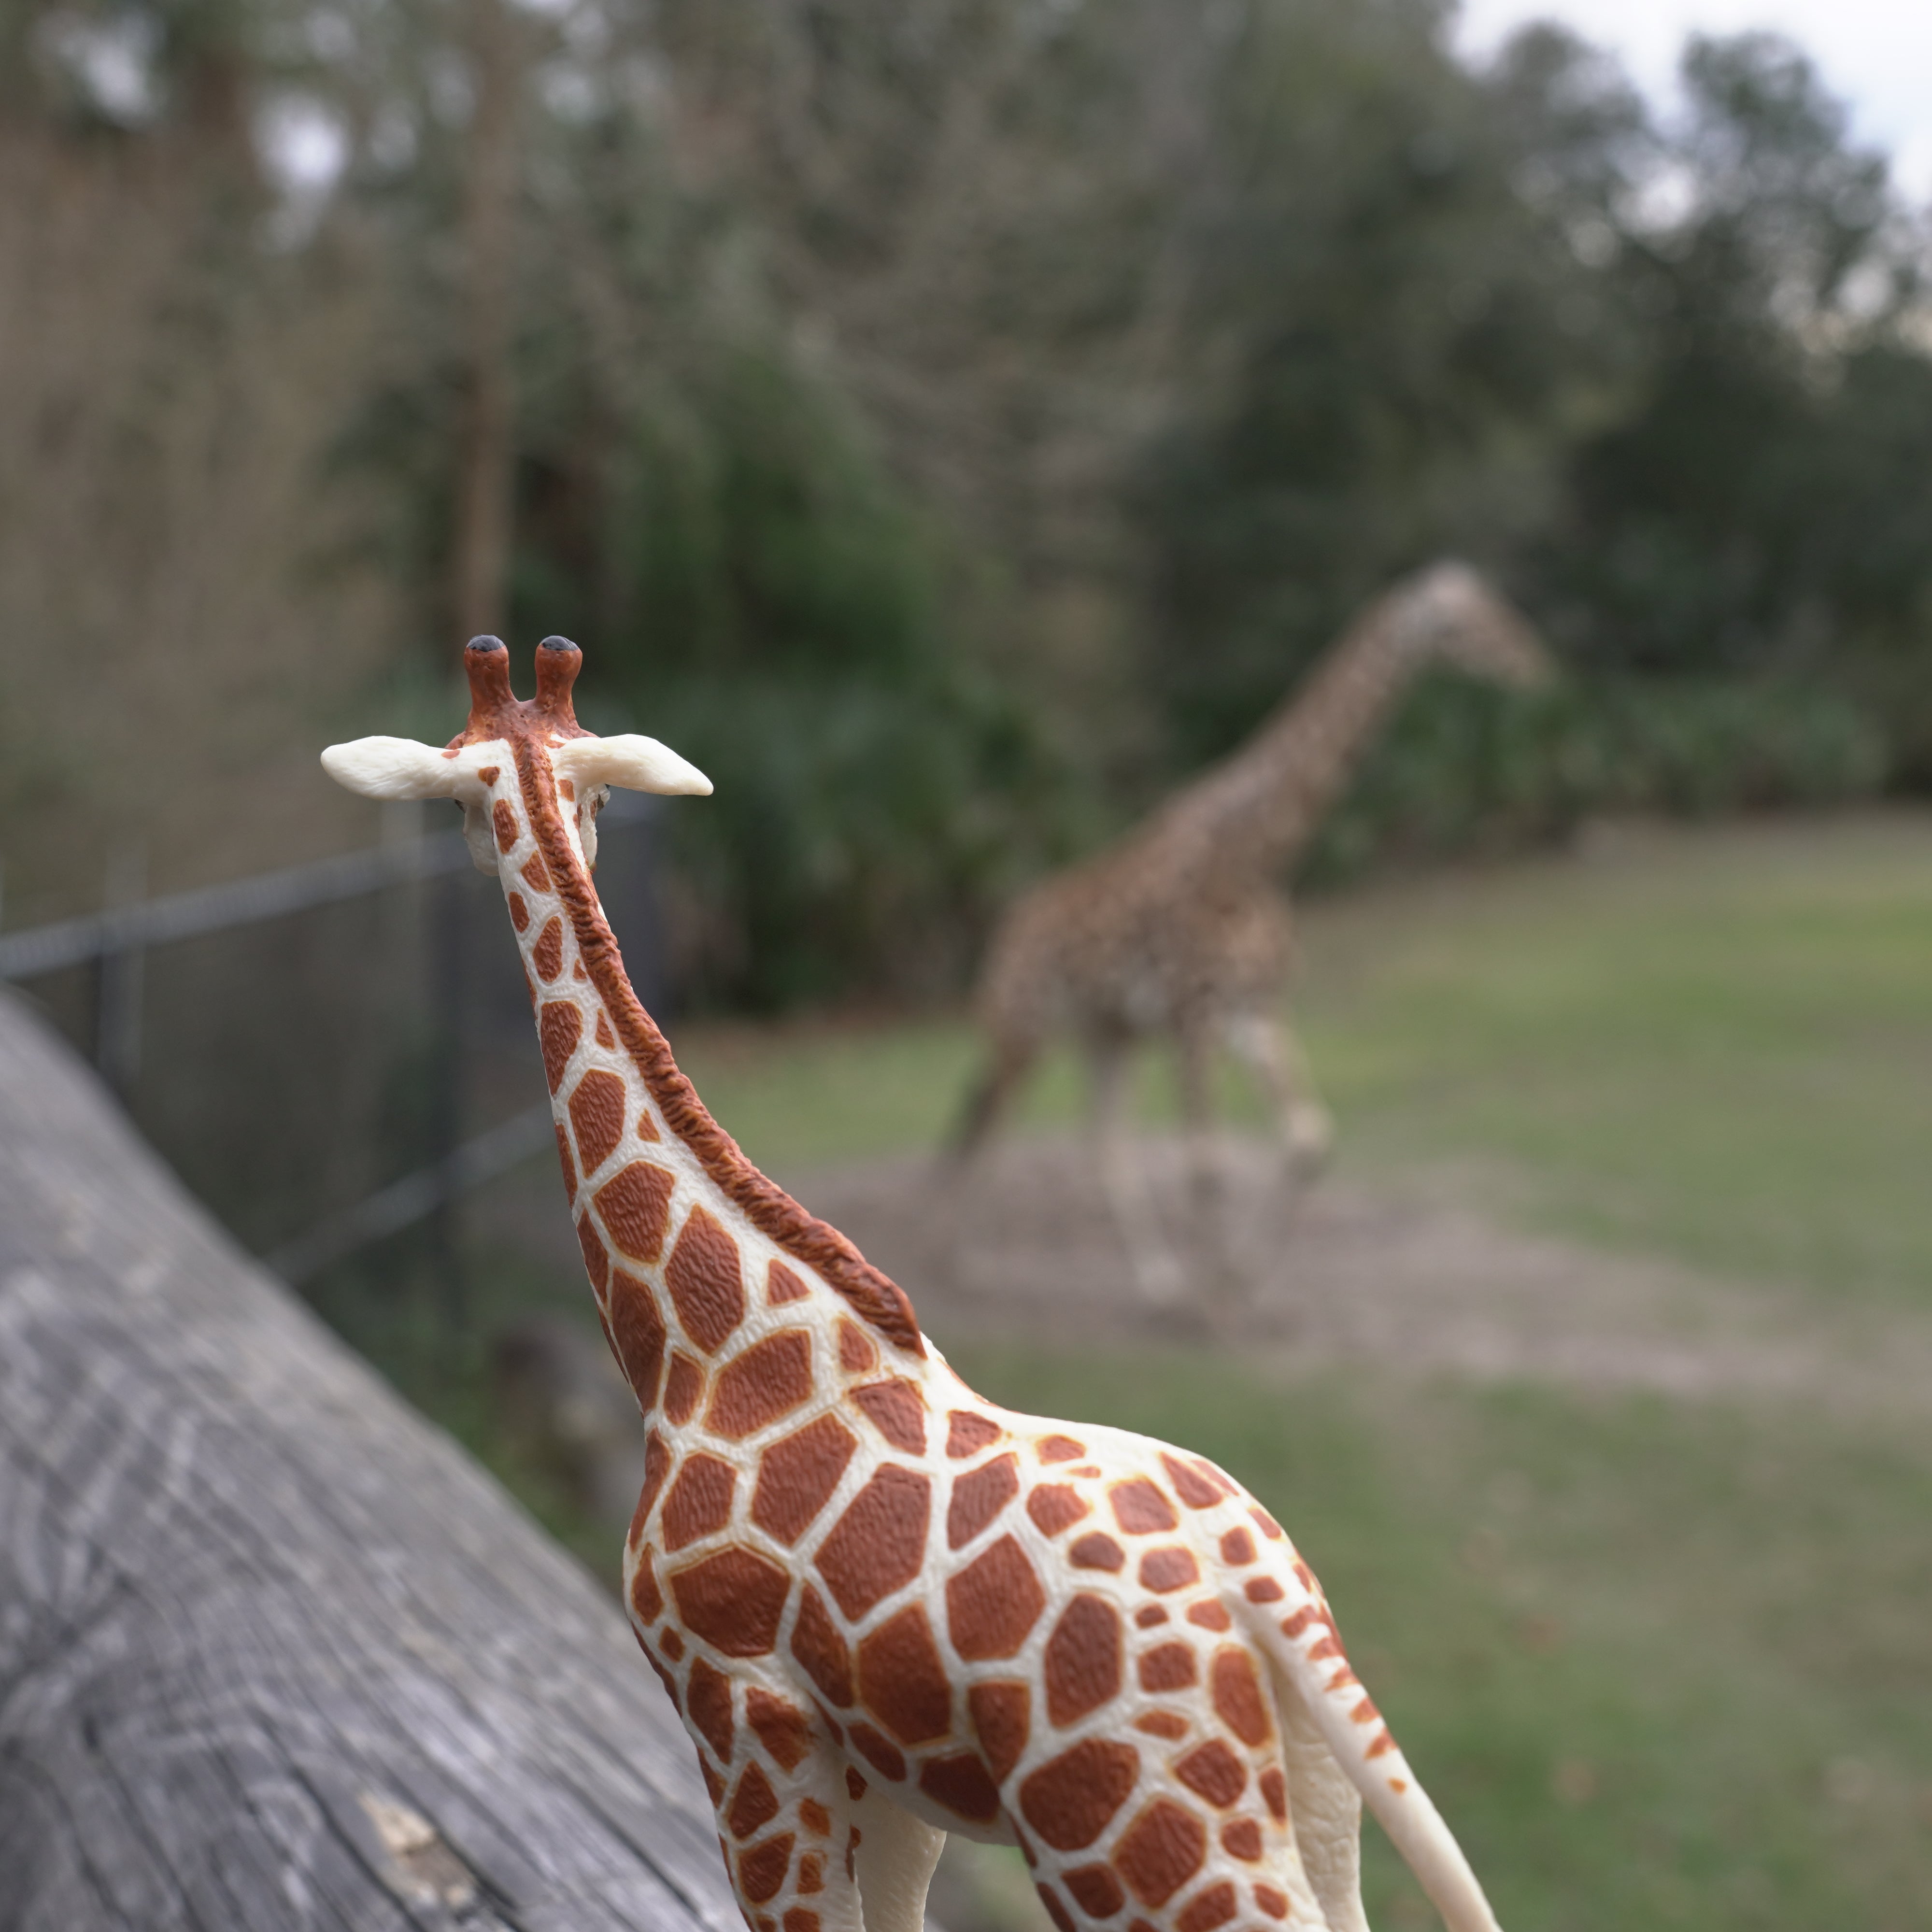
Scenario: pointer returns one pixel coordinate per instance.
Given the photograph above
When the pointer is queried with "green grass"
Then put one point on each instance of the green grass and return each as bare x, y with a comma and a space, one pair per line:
1716, 1045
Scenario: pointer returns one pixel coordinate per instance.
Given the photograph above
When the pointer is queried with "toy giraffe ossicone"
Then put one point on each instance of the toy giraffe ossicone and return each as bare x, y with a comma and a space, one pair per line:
885, 1609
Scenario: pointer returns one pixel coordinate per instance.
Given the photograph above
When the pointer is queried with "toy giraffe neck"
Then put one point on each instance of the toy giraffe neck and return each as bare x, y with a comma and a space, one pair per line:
641, 1155
1255, 812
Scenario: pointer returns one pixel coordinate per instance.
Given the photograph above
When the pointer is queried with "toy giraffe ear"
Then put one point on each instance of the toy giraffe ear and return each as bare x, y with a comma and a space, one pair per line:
393, 768
636, 763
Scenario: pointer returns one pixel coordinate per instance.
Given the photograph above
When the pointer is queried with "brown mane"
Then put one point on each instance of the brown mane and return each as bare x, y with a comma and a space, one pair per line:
496, 712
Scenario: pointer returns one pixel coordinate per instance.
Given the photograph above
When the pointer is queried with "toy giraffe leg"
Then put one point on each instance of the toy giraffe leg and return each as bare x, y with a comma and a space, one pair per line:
885, 1608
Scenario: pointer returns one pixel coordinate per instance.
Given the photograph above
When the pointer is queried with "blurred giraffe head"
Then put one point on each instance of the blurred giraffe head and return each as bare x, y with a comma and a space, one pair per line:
539, 737
1448, 613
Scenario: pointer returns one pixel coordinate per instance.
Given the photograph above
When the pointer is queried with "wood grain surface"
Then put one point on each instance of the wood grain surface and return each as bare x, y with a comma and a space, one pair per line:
274, 1653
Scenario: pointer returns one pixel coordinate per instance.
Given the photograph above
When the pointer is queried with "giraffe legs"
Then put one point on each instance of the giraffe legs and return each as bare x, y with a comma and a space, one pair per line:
1267, 1046
896, 1855
1157, 1274
788, 1820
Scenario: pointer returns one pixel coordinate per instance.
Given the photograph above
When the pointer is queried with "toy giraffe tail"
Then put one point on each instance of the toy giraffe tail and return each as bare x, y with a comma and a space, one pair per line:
1298, 1635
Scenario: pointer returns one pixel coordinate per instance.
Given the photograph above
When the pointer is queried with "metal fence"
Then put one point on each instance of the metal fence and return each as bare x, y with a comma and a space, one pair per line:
111, 950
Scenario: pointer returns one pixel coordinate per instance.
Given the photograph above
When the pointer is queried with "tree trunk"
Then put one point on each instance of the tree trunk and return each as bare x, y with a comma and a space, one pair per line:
273, 1652
486, 480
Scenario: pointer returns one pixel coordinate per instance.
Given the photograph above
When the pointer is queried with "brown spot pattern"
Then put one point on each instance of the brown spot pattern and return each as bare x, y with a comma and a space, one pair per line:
1215, 1907
646, 1599
700, 1502
596, 1258
1160, 1851
657, 1466
1237, 1695
597, 1114
901, 1680
966, 1434
879, 1544
1262, 1590
1061, 1449
503, 821
605, 1037
1054, 1506
753, 1805
559, 1026
1140, 1509
489, 774
564, 1161
536, 873
817, 1643
978, 1497
708, 1704
782, 1727
796, 1474
1168, 1666
637, 1335
733, 1601
812, 1815
962, 1784
1001, 1714
993, 1603
1238, 1547
1161, 1724
682, 1387
798, 1919
1148, 1615
895, 1409
1096, 1890
1170, 1569
770, 1379
1082, 1666
762, 1870
881, 1752
1215, 1772
634, 1203
520, 912
1272, 1900
781, 1284
547, 954
1274, 1795
705, 1282
1242, 1837
1096, 1551
1211, 1615
856, 1353
1070, 1799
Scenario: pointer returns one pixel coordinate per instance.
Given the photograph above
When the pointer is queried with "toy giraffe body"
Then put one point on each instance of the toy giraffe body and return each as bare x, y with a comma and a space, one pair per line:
885, 1608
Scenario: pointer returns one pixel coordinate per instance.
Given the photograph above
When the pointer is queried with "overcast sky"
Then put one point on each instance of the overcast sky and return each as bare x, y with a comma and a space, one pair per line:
1875, 55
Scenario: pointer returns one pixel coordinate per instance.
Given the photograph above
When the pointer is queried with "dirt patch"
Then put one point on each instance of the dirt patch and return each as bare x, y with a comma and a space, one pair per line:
1399, 1272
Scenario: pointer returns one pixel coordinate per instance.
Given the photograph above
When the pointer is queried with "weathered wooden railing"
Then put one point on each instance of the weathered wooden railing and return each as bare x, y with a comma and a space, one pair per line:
274, 1653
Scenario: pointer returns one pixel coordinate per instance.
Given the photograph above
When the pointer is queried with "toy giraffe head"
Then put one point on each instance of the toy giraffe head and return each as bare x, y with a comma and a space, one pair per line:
885, 1608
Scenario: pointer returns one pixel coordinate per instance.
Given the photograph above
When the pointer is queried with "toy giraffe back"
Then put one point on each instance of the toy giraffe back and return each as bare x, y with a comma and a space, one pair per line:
885, 1609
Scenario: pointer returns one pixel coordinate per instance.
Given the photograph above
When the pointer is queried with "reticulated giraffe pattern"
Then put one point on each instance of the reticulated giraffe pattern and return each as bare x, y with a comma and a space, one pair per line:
1180, 929
885, 1608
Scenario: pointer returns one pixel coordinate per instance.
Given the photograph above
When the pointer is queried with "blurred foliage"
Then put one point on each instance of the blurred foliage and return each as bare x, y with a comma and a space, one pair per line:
953, 425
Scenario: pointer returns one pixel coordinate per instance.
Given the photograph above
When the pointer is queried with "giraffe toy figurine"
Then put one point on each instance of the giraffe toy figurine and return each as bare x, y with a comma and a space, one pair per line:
885, 1608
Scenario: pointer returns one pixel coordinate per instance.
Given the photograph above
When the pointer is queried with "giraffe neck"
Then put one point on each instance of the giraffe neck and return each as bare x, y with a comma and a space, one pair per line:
656, 1185
1255, 813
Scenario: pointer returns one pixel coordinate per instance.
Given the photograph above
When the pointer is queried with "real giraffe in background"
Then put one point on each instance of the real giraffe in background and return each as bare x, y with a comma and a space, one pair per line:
1180, 929
885, 1608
